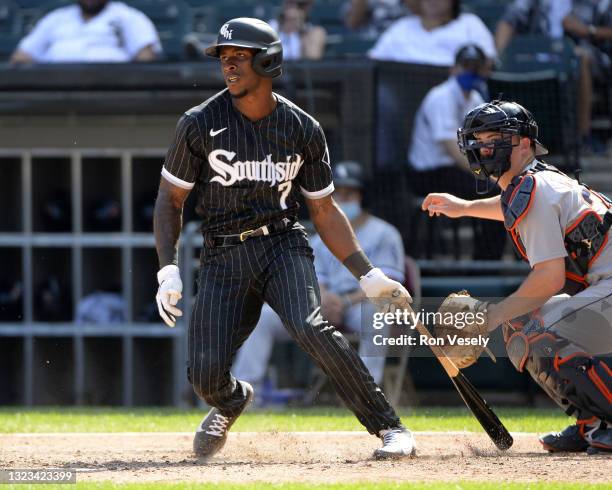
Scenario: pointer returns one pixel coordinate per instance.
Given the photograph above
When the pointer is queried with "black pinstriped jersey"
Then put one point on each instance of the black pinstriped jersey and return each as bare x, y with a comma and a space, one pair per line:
247, 173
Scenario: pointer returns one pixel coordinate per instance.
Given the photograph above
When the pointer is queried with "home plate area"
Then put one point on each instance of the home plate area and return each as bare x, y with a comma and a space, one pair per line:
317, 457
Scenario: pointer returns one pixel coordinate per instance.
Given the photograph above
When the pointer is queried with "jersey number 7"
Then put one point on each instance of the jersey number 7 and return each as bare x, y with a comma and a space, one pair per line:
284, 189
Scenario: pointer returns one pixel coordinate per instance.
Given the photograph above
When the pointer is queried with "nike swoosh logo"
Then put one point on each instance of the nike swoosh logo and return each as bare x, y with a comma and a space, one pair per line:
215, 133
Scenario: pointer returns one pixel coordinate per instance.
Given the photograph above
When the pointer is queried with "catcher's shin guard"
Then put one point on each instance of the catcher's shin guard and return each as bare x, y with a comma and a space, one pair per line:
580, 383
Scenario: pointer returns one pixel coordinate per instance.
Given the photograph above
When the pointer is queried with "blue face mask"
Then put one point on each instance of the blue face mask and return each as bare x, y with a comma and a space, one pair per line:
468, 80
352, 209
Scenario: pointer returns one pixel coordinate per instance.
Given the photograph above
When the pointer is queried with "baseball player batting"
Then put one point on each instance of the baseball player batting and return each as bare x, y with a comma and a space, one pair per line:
248, 152
561, 227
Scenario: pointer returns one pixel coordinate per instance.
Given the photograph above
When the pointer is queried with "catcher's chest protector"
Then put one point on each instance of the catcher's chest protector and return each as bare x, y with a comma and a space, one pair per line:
584, 239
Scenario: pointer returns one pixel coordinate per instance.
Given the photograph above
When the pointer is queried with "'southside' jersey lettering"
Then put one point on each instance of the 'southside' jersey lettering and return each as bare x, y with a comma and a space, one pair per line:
264, 171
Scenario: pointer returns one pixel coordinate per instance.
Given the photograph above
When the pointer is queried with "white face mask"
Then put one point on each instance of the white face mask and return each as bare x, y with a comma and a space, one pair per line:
352, 209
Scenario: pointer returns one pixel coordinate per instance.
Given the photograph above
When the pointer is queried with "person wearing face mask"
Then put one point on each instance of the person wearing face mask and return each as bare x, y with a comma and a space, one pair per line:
557, 325
90, 31
342, 301
435, 162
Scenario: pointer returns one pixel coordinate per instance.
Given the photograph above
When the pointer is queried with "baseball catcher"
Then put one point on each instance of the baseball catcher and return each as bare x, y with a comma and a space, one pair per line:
558, 324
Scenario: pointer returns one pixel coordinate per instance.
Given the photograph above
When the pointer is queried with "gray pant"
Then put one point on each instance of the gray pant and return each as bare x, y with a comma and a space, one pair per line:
253, 358
577, 382
584, 319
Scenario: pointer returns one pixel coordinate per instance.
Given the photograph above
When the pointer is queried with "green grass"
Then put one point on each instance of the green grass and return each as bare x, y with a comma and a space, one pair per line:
316, 419
454, 485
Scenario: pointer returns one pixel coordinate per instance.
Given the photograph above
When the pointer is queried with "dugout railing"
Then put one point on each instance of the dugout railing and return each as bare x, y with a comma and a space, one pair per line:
50, 357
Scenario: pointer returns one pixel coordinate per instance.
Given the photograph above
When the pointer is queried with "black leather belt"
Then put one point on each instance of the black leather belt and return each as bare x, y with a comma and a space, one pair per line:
238, 238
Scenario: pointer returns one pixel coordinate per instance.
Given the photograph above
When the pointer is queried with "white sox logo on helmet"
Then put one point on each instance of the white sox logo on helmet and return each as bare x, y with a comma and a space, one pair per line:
225, 32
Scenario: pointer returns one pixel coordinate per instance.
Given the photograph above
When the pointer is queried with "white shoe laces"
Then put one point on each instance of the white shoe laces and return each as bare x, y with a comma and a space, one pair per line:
589, 429
390, 436
219, 426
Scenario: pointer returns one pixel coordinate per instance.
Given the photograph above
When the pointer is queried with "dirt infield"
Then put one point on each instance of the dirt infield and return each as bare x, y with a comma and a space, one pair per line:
316, 457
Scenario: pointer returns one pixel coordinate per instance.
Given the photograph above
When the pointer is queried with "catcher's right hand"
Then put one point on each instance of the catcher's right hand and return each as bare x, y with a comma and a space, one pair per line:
388, 295
452, 323
169, 293
446, 204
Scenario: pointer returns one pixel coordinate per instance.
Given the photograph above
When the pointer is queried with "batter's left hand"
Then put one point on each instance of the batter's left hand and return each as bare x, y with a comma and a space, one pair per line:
169, 293
387, 294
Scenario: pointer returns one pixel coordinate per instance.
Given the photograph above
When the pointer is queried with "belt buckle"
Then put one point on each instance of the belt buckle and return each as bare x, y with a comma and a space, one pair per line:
246, 234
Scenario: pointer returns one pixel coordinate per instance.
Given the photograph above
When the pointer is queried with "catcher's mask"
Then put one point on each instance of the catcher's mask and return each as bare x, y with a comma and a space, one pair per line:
507, 118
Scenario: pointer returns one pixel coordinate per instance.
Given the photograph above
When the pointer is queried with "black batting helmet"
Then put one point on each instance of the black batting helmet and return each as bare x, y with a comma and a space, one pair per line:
507, 118
246, 32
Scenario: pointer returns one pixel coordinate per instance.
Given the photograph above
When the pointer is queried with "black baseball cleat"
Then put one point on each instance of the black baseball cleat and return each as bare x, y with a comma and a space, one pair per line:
574, 438
397, 443
212, 432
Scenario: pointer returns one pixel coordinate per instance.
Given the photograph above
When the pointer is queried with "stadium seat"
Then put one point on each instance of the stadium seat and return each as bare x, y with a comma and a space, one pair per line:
552, 100
224, 10
541, 74
490, 11
529, 53
7, 46
172, 18
233, 11
8, 17
328, 13
10, 28
204, 19
348, 45
28, 4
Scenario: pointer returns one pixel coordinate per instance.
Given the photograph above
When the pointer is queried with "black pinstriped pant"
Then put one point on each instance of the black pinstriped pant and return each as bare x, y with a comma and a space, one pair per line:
233, 284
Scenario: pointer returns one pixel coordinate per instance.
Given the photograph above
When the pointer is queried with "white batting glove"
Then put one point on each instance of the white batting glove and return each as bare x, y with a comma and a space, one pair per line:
169, 293
387, 294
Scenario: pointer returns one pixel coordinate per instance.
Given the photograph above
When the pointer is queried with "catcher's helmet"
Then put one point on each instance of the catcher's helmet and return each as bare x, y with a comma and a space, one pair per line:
507, 118
256, 34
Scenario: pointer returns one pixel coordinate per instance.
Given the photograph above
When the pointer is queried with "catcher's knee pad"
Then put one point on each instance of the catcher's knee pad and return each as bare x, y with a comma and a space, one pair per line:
580, 383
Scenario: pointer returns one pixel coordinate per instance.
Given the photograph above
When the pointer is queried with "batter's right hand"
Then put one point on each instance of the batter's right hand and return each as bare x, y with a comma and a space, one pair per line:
446, 204
169, 293
385, 293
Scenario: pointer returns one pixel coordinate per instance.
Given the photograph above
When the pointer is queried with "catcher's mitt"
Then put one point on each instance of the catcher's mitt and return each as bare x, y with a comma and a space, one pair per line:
459, 319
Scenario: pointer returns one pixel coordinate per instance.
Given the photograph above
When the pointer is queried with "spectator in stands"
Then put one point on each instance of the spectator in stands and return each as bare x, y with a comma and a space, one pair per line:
342, 301
590, 23
435, 162
300, 39
372, 17
531, 17
433, 36
90, 31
